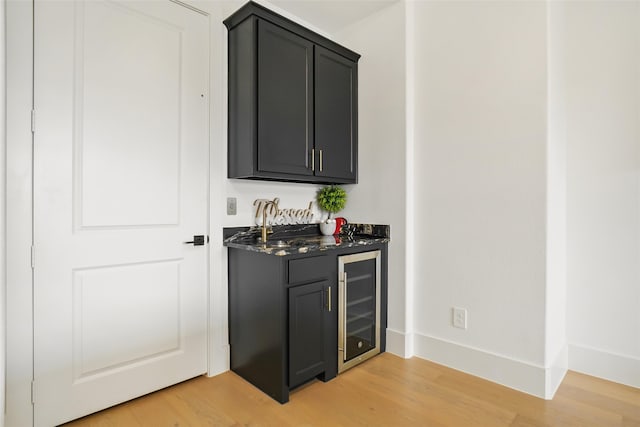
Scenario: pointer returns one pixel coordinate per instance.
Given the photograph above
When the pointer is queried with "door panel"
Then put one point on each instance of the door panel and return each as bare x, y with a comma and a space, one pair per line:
128, 111
307, 329
336, 118
120, 182
285, 101
101, 346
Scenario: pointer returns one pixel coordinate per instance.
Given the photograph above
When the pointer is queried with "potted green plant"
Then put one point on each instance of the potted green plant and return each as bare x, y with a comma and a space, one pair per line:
331, 199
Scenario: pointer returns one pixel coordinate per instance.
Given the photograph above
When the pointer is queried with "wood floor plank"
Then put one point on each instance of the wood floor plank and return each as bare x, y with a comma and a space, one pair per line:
384, 391
630, 423
597, 399
598, 385
118, 416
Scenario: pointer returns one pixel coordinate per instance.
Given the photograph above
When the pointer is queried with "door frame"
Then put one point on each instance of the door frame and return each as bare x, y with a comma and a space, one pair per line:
19, 214
19, 205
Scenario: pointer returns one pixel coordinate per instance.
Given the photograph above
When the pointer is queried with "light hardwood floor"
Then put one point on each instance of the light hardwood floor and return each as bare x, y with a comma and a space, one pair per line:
384, 391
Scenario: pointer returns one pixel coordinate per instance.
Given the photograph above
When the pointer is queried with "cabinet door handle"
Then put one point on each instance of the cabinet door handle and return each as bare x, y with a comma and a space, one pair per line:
320, 160
329, 298
342, 309
313, 159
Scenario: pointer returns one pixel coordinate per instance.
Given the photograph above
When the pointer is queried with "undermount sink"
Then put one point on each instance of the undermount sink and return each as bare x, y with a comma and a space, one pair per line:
298, 242
275, 243
321, 240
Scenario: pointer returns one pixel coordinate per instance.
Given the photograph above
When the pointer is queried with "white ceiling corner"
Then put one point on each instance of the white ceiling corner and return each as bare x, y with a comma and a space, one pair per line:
331, 16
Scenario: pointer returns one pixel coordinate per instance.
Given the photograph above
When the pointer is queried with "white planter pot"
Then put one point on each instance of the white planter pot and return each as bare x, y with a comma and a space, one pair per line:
328, 228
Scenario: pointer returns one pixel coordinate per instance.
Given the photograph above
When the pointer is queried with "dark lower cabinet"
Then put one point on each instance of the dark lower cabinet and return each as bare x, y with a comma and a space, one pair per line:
257, 322
309, 323
283, 317
282, 325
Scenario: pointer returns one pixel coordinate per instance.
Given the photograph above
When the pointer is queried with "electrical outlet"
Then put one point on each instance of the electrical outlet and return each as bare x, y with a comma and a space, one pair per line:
459, 317
232, 206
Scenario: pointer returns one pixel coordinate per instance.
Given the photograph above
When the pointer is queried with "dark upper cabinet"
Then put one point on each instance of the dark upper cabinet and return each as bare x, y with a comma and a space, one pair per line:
285, 101
292, 101
336, 118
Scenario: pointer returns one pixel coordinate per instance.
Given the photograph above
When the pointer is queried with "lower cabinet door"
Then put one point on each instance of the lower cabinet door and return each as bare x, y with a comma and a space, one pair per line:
309, 314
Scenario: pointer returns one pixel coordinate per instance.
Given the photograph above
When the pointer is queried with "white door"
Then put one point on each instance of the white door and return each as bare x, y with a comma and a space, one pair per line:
120, 182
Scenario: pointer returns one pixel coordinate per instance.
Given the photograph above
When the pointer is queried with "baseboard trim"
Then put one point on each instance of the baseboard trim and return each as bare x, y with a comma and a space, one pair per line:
219, 360
609, 366
399, 343
512, 373
556, 372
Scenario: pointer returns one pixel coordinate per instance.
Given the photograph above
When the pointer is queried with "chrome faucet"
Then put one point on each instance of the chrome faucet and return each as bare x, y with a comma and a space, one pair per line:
265, 232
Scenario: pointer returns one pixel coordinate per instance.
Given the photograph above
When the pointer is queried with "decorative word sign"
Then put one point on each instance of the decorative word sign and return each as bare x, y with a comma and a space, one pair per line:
277, 216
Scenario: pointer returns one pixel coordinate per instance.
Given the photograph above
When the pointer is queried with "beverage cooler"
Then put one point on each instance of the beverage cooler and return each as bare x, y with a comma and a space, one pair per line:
358, 308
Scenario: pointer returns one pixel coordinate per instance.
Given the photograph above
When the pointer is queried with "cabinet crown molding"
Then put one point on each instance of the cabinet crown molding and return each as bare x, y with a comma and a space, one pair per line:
254, 9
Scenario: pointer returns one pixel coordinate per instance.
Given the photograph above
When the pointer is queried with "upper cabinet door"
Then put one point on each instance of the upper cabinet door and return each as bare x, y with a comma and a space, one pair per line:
285, 101
336, 117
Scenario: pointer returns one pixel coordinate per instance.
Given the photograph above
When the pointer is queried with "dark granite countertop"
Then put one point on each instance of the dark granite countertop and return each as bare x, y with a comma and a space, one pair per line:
304, 238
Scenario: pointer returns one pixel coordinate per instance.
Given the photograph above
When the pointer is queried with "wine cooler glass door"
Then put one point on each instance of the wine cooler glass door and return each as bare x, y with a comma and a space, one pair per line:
359, 308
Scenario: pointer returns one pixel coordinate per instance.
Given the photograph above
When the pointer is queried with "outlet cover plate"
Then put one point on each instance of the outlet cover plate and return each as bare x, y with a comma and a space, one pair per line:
232, 206
459, 317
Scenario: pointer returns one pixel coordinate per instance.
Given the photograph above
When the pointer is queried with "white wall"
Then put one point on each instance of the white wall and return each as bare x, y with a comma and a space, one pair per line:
380, 196
480, 85
603, 204
556, 353
480, 187
3, 283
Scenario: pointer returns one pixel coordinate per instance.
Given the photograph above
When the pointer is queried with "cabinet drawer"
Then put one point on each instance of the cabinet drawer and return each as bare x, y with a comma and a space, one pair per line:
309, 269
